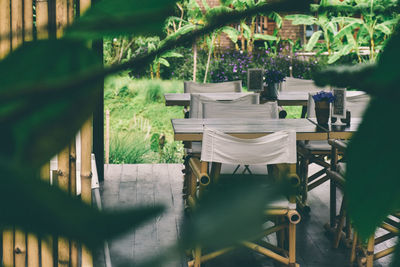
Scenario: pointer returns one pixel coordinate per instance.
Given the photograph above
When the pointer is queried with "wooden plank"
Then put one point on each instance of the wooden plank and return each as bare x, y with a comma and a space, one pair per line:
20, 248
42, 19
16, 23
8, 247
28, 20
86, 178
61, 16
72, 173
33, 250
63, 182
71, 11
5, 27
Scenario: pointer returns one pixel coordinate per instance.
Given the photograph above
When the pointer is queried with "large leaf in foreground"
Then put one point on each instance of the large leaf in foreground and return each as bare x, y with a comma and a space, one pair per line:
35, 206
373, 179
35, 125
122, 17
230, 212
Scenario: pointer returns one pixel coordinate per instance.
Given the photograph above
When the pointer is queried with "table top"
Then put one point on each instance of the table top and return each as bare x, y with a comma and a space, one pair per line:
285, 98
340, 131
192, 129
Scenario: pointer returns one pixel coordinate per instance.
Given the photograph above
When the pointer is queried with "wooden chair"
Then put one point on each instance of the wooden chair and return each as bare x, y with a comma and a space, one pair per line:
316, 151
193, 149
362, 254
224, 87
277, 148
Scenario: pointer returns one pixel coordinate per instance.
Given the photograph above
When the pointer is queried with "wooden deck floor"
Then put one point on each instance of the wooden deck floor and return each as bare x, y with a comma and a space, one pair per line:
130, 185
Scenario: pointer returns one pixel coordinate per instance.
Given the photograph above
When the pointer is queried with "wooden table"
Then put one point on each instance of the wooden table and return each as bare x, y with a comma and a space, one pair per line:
192, 129
289, 98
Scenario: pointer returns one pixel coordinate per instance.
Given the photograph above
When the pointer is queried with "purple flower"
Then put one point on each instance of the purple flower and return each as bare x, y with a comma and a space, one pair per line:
324, 96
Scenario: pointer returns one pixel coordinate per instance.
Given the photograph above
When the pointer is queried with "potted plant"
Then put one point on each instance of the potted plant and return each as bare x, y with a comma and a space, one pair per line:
322, 101
273, 80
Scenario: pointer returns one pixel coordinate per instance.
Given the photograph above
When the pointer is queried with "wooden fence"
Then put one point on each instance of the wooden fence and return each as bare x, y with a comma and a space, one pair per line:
22, 21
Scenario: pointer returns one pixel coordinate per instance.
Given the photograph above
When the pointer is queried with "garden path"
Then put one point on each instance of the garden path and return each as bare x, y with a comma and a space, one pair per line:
129, 185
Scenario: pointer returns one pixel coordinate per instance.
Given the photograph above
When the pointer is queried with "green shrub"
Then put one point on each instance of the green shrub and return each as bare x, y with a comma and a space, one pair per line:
128, 149
172, 153
154, 93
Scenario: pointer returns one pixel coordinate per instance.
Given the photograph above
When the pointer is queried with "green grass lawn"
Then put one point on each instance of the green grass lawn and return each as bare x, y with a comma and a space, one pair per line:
138, 117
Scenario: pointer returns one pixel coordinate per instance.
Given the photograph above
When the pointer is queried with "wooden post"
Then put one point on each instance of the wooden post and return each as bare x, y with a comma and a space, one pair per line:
28, 20
42, 19
64, 184
72, 168
71, 11
16, 23
47, 241
194, 60
107, 136
61, 16
33, 251
8, 245
5, 24
84, 5
86, 178
20, 248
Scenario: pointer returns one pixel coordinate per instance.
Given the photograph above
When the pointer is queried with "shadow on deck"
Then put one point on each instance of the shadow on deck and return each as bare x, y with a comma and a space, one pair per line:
129, 185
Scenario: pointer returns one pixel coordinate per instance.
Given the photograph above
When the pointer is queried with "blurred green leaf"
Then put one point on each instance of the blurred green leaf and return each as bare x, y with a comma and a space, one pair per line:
300, 19
229, 212
36, 125
34, 206
122, 17
372, 176
264, 37
232, 33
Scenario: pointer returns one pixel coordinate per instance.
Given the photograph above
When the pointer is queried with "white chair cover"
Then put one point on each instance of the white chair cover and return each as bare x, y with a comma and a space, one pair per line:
268, 110
279, 147
196, 101
225, 87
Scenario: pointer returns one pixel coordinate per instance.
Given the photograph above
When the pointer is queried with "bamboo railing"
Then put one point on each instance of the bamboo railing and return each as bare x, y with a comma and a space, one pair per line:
22, 21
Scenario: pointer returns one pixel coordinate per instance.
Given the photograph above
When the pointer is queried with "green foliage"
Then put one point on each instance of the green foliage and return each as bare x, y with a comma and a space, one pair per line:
121, 17
128, 148
372, 168
37, 123
154, 93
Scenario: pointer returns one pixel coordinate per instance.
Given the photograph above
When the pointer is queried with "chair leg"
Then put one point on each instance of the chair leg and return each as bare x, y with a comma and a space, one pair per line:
370, 251
340, 225
292, 244
353, 248
197, 256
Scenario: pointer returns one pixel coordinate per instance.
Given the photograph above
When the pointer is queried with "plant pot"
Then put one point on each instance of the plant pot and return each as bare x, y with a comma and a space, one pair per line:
322, 111
271, 91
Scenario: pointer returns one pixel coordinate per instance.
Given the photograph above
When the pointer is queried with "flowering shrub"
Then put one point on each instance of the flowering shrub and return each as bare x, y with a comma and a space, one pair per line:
274, 76
324, 96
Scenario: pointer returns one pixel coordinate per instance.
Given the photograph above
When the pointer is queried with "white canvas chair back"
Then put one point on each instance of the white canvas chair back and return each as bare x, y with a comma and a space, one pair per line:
357, 105
276, 148
225, 87
311, 106
268, 110
196, 101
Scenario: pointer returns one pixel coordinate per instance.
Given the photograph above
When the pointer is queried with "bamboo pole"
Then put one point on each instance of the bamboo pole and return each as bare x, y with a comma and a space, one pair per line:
28, 20
370, 252
211, 256
266, 252
47, 241
16, 23
84, 5
71, 11
86, 178
72, 168
42, 19
8, 245
107, 136
33, 251
5, 24
64, 184
20, 248
61, 16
